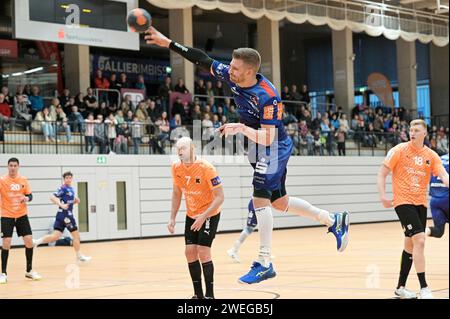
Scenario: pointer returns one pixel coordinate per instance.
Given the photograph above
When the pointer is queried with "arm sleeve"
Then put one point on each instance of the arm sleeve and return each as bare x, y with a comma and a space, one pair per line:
196, 56
220, 71
392, 158
212, 178
271, 111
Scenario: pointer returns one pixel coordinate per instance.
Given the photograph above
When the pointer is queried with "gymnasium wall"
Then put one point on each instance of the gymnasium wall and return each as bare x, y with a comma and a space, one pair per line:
332, 183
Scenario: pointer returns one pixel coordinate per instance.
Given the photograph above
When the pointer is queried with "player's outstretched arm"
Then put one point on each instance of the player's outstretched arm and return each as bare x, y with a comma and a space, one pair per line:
264, 136
381, 182
196, 56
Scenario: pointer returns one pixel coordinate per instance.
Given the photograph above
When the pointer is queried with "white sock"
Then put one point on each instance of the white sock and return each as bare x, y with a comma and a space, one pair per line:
242, 237
265, 226
428, 231
302, 208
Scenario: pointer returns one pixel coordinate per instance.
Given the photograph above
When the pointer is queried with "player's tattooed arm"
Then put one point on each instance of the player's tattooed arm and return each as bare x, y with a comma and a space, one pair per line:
196, 56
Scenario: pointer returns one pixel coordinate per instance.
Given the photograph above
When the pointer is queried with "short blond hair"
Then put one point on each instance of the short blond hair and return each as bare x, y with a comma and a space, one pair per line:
418, 122
250, 57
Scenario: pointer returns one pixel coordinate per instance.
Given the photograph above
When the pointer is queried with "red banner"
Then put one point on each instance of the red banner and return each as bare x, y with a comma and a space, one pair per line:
8, 49
49, 51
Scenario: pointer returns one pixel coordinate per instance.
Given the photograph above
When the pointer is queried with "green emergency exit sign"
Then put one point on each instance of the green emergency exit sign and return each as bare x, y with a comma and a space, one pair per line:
101, 160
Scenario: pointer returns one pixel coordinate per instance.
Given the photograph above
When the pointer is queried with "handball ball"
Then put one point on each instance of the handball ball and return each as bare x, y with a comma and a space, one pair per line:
139, 20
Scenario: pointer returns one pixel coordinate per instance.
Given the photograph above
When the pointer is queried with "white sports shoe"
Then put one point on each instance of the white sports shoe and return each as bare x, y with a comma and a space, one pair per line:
425, 293
3, 279
404, 293
234, 255
33, 275
83, 258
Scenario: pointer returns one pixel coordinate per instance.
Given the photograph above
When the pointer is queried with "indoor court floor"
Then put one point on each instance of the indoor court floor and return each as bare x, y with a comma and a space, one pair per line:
305, 259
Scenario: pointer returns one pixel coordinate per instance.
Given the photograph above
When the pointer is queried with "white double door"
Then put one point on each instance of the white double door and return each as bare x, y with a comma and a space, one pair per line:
109, 207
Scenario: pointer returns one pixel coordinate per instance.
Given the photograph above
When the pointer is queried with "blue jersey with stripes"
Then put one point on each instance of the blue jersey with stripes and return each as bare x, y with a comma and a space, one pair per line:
66, 195
437, 187
257, 105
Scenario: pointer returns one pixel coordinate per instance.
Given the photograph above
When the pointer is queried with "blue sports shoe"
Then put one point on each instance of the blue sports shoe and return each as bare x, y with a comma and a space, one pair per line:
257, 274
340, 229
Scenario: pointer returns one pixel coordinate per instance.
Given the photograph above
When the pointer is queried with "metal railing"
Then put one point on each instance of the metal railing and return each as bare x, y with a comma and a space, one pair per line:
34, 137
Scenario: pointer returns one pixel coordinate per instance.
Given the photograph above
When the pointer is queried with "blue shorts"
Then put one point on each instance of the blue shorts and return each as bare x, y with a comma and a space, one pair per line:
65, 220
270, 168
439, 210
251, 219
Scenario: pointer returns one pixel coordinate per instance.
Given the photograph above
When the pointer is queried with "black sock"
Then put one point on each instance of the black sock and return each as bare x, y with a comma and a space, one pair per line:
405, 267
29, 255
423, 282
5, 254
196, 275
208, 273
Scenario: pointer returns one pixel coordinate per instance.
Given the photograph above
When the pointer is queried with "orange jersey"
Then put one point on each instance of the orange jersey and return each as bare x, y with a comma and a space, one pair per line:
411, 172
197, 183
12, 192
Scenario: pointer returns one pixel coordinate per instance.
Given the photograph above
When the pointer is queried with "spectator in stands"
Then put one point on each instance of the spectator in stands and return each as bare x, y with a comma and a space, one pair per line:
100, 137
27, 90
226, 105
207, 109
136, 133
119, 117
111, 130
216, 121
43, 122
153, 112
143, 117
130, 115
208, 128
164, 91
196, 114
101, 83
140, 84
121, 141
200, 89
295, 95
123, 82
20, 91
209, 89
62, 124
233, 115
315, 124
285, 94
65, 101
224, 119
177, 107
127, 104
7, 96
304, 95
318, 143
5, 114
180, 87
76, 120
370, 138
343, 122
335, 121
113, 96
340, 135
292, 132
79, 102
213, 104
89, 133
219, 89
103, 110
37, 102
162, 133
21, 112
186, 118
52, 107
90, 101
175, 122
442, 142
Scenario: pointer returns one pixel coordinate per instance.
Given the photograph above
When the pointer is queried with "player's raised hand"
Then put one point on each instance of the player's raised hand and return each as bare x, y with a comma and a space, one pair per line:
153, 36
231, 129
387, 203
171, 226
199, 220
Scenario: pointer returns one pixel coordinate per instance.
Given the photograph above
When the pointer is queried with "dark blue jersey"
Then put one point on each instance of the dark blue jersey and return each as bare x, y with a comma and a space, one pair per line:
66, 195
437, 188
257, 105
